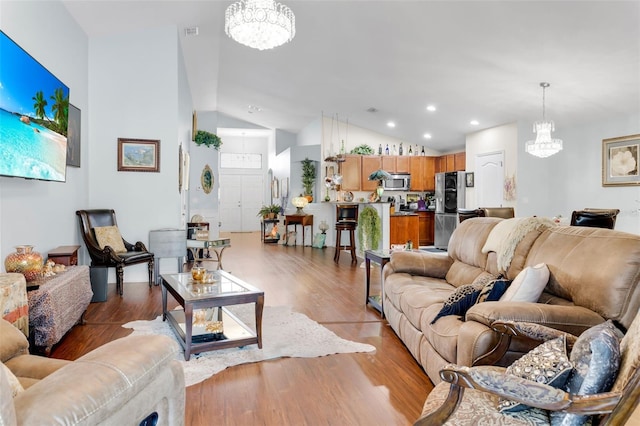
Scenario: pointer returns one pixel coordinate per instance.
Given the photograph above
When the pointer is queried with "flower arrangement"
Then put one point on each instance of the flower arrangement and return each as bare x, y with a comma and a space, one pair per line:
363, 149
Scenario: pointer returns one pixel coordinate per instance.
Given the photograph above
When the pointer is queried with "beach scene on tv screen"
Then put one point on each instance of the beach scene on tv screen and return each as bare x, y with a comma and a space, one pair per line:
34, 114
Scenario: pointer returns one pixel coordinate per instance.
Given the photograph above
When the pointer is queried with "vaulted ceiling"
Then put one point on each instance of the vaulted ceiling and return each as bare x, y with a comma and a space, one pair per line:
479, 60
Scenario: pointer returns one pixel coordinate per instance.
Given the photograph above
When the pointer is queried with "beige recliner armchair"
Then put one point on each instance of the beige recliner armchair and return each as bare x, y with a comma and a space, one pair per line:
124, 382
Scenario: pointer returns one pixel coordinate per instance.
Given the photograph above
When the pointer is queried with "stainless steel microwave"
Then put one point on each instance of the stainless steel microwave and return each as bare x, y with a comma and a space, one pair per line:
397, 182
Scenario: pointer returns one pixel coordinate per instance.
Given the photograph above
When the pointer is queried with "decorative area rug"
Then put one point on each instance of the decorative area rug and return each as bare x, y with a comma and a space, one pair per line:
284, 334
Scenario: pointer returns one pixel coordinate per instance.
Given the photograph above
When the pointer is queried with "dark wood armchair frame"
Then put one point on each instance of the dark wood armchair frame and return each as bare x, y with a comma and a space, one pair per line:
595, 218
136, 253
615, 408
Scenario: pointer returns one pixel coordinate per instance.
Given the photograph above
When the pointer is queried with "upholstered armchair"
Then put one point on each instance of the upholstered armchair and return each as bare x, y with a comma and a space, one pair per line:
476, 395
106, 246
595, 218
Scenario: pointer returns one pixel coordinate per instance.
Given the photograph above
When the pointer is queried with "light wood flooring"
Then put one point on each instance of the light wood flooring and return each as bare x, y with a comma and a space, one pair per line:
387, 387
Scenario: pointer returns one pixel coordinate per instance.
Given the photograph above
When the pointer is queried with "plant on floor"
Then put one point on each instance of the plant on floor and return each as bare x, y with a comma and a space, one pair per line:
208, 139
369, 228
267, 211
308, 177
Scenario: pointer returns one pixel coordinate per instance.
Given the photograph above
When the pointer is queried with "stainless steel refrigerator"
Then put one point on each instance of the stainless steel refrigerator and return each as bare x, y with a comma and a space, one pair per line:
450, 197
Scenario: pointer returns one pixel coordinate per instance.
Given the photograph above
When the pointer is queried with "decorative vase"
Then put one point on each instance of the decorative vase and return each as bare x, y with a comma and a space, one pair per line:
25, 261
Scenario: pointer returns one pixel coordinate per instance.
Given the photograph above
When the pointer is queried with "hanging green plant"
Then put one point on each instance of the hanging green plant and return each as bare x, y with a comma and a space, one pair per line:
208, 139
369, 225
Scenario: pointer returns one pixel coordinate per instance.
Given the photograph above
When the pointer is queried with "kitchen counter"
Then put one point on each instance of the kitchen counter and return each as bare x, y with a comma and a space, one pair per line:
404, 213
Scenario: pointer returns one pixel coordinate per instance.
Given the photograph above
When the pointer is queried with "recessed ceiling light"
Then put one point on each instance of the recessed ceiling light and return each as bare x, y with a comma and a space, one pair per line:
391, 124
253, 108
427, 135
474, 122
431, 108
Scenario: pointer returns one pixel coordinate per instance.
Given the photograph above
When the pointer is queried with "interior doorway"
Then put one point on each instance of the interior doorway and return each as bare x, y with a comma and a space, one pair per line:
240, 199
489, 179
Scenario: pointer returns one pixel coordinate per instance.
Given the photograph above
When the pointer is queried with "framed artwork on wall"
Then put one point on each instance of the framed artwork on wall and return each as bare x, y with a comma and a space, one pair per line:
620, 161
206, 179
194, 125
469, 179
73, 137
138, 155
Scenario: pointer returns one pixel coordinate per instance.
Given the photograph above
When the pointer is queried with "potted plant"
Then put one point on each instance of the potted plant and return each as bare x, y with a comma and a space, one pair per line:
308, 178
369, 228
207, 139
269, 211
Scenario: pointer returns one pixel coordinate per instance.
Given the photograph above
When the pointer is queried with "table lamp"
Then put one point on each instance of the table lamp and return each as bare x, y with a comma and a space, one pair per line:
300, 203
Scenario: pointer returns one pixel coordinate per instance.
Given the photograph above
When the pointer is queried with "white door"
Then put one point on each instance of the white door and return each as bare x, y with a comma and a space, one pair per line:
240, 200
489, 179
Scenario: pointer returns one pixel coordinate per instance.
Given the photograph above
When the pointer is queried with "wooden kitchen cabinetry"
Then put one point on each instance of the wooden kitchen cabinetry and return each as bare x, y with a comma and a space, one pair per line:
404, 228
451, 162
422, 171
351, 174
396, 163
370, 163
426, 228
460, 161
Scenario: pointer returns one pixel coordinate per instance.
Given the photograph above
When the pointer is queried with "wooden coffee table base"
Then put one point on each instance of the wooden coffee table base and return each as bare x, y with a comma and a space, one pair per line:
235, 331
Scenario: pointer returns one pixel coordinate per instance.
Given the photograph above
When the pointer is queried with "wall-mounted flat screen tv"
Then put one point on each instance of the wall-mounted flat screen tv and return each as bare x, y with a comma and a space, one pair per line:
34, 114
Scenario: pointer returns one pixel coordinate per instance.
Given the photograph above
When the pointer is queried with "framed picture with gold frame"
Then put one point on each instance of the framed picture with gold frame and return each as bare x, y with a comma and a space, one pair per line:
620, 161
194, 125
138, 155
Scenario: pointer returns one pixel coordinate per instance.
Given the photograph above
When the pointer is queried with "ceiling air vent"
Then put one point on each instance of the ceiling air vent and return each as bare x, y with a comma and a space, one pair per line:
191, 31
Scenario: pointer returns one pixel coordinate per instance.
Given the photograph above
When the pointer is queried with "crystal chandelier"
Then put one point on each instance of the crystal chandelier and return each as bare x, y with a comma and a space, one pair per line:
544, 145
261, 24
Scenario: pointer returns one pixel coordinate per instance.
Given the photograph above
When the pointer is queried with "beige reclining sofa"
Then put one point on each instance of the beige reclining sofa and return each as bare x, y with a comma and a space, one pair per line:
122, 382
593, 277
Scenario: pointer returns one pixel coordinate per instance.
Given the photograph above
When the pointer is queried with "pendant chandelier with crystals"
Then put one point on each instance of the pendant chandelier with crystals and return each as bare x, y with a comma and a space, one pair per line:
544, 145
260, 24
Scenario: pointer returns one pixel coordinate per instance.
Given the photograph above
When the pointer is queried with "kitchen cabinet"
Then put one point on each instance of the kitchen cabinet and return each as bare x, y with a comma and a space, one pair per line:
404, 228
426, 227
351, 173
403, 164
396, 163
422, 171
417, 170
460, 161
451, 162
370, 163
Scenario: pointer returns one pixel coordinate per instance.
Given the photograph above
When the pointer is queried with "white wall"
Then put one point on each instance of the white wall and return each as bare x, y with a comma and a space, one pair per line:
497, 139
572, 179
333, 132
35, 212
133, 89
567, 181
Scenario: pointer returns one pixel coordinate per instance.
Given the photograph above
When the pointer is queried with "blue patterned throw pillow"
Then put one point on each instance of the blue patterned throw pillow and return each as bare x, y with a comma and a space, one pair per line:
596, 359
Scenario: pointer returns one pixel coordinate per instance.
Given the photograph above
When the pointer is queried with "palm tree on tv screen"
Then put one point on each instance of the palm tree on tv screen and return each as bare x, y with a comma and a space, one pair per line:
40, 103
60, 110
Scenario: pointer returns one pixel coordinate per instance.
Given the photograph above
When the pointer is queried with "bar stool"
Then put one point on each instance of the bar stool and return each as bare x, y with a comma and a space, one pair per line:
346, 220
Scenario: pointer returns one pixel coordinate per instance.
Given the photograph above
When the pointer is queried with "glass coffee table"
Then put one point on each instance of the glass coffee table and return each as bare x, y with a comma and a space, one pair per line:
204, 323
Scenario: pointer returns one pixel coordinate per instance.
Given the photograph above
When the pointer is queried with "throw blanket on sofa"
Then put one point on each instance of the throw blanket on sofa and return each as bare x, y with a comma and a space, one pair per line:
506, 235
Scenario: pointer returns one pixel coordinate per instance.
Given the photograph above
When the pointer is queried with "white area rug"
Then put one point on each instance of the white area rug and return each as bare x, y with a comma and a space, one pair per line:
284, 334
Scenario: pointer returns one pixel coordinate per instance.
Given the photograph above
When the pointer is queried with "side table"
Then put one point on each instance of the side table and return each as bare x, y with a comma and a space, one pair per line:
57, 305
380, 257
217, 246
295, 220
64, 255
266, 227
167, 243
